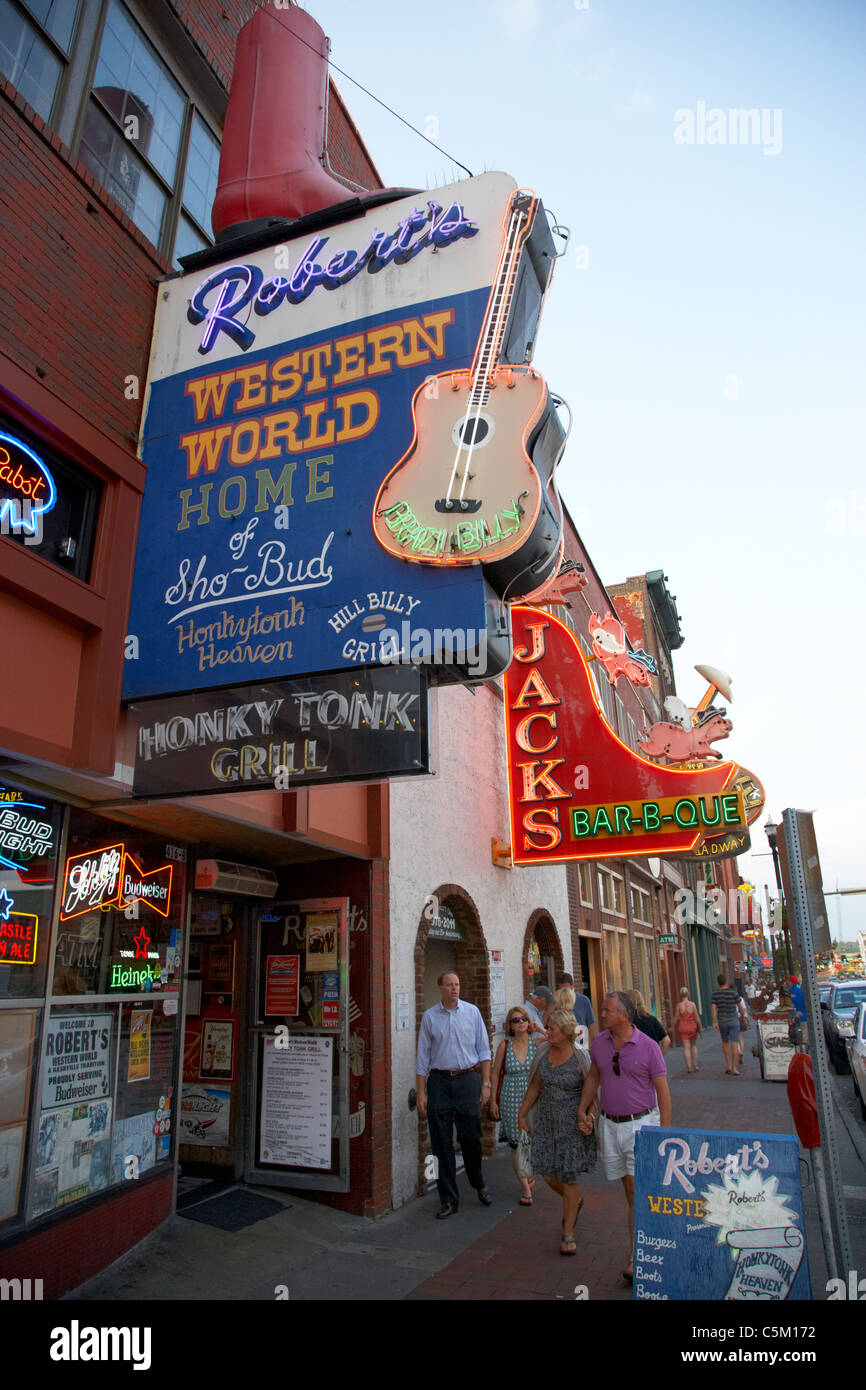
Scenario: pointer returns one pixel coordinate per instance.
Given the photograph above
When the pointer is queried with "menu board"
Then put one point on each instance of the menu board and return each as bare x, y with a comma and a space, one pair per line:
777, 1049
296, 1101
718, 1216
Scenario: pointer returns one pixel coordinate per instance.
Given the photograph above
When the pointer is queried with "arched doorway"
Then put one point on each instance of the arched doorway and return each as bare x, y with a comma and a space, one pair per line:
542, 954
450, 937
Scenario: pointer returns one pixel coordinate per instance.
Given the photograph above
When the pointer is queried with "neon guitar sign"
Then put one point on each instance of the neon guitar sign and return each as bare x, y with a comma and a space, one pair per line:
466, 491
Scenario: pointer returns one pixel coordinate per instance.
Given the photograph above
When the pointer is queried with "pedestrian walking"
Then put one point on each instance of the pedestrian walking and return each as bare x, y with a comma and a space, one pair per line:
513, 1063
728, 1011
688, 1022
628, 1070
582, 1006
452, 1043
560, 1150
538, 1005
647, 1022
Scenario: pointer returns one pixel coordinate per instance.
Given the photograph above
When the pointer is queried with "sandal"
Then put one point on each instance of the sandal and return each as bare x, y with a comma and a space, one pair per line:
568, 1246
526, 1201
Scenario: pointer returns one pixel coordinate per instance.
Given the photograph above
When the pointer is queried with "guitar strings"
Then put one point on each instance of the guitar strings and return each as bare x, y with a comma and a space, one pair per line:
492, 324
495, 340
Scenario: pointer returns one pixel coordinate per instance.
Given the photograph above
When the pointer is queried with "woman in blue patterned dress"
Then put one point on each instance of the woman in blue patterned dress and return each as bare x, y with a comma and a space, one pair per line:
560, 1152
515, 1053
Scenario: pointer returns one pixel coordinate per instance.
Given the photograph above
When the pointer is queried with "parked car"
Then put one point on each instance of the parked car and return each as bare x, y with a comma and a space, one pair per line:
857, 1057
838, 1017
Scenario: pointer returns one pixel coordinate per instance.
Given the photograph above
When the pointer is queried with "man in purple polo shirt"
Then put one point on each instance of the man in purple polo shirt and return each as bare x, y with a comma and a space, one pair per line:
631, 1071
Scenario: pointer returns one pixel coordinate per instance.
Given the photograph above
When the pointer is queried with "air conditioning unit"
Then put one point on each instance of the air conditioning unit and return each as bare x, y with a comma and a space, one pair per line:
224, 877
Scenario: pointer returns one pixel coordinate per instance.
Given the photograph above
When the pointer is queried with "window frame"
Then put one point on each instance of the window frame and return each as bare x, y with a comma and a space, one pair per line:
75, 92
64, 57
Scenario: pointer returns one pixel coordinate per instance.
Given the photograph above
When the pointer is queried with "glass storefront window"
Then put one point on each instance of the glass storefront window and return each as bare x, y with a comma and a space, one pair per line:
19, 1029
121, 912
29, 842
72, 1156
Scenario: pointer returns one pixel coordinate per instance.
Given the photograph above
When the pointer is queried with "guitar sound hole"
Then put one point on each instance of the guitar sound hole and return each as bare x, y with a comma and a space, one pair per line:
473, 433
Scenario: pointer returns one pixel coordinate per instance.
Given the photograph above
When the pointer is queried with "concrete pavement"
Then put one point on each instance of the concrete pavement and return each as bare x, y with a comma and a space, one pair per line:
504, 1251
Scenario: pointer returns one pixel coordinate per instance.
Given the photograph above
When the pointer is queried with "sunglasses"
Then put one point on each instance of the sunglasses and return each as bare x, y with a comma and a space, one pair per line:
518, 1019
616, 1070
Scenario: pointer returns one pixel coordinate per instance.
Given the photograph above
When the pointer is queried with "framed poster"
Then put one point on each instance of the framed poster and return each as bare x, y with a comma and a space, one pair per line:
11, 1162
204, 1116
138, 1066
78, 1058
218, 967
192, 1048
17, 1028
217, 1049
321, 939
282, 983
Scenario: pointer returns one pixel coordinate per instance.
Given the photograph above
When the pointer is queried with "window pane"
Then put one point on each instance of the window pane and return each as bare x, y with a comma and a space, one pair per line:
27, 61
202, 168
132, 81
57, 16
188, 240
111, 159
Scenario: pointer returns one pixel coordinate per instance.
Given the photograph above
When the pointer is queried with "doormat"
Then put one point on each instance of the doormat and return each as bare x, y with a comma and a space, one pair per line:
234, 1210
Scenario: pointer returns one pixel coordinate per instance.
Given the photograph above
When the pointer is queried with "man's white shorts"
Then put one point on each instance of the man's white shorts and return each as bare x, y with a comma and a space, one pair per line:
617, 1143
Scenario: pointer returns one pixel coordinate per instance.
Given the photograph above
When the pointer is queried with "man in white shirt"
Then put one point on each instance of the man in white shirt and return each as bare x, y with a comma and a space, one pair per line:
452, 1043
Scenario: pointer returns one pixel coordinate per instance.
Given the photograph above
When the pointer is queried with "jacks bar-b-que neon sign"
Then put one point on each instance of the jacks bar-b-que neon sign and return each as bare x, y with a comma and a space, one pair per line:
576, 790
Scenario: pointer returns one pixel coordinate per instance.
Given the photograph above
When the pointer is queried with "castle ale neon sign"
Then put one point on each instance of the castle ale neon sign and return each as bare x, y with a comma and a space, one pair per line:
18, 932
237, 287
110, 877
576, 791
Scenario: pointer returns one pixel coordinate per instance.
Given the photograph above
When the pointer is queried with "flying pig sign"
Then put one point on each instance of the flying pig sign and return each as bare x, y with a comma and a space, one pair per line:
628, 805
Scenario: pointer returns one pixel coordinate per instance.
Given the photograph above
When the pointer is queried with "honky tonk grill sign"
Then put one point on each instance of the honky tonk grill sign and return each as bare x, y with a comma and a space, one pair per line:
576, 790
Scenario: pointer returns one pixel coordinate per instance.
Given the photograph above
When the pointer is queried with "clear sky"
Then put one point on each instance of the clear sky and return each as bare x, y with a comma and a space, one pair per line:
706, 326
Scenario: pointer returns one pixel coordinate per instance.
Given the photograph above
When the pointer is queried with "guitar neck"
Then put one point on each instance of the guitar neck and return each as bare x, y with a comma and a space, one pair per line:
490, 343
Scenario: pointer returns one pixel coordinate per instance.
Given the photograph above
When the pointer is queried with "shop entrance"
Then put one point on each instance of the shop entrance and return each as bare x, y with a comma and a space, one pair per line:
266, 1077
298, 1047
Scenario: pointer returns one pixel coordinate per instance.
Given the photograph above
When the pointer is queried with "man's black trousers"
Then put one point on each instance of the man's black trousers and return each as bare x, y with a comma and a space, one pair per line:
455, 1100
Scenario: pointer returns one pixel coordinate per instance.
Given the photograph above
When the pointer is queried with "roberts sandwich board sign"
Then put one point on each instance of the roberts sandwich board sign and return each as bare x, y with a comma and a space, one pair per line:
718, 1216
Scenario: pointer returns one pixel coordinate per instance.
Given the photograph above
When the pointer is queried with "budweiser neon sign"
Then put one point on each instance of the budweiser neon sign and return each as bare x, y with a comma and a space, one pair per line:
110, 877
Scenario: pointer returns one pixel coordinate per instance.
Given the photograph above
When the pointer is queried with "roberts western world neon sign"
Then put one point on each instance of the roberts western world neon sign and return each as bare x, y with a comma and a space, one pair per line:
576, 790
224, 297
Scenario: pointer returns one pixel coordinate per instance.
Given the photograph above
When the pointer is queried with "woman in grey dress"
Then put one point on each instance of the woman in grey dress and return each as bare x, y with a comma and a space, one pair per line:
559, 1151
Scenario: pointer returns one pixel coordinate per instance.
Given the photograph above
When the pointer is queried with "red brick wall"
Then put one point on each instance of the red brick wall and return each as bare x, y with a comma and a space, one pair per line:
213, 28
78, 275
65, 1254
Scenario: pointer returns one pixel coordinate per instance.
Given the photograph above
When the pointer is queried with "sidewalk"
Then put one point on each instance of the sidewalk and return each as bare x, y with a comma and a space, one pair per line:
503, 1252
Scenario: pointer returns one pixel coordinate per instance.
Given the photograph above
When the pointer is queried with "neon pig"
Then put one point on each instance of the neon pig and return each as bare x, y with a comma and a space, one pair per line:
241, 285
25, 483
